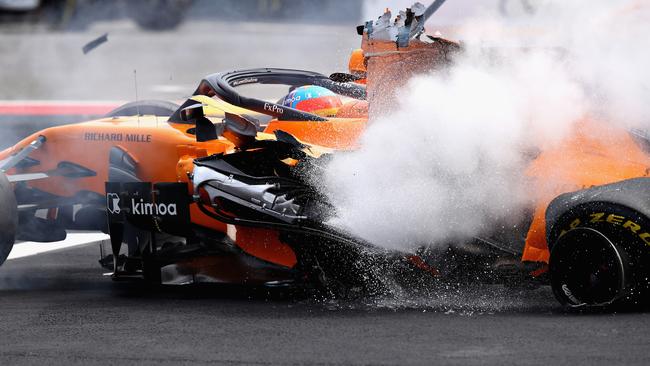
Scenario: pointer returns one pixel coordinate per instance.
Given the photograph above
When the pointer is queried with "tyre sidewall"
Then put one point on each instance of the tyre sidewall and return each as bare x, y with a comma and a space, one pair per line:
627, 229
8, 217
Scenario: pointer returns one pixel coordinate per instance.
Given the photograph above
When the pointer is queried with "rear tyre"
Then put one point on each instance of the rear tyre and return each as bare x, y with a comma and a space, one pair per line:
142, 107
8, 217
601, 261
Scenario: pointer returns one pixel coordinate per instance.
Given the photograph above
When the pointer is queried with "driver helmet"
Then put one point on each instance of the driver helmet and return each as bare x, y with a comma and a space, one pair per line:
313, 99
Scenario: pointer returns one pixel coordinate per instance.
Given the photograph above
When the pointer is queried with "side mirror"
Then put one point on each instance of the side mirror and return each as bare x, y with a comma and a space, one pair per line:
205, 130
193, 112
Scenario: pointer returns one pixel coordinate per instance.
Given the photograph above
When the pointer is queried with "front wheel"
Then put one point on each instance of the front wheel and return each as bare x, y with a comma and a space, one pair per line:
8, 217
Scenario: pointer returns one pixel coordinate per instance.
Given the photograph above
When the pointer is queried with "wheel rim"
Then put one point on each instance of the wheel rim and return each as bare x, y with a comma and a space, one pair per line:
587, 268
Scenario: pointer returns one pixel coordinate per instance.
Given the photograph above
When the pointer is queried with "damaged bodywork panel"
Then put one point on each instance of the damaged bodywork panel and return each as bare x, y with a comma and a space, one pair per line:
95, 43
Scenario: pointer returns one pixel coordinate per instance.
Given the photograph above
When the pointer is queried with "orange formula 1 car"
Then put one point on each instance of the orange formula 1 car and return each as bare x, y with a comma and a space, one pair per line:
195, 198
247, 214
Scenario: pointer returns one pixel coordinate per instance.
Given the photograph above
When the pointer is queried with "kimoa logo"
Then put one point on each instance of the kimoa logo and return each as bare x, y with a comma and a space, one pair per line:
150, 208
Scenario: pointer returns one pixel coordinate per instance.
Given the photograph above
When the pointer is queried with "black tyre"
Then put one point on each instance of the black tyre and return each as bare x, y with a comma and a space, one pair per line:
142, 107
8, 217
599, 257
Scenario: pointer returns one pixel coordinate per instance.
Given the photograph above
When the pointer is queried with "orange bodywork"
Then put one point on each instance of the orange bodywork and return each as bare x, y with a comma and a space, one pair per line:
357, 62
594, 153
155, 145
357, 65
164, 152
335, 133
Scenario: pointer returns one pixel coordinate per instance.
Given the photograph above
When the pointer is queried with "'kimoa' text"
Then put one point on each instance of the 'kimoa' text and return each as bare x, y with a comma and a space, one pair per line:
150, 208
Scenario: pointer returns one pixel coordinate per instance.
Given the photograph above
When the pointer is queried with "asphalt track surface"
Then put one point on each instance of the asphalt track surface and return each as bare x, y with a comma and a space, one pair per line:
58, 308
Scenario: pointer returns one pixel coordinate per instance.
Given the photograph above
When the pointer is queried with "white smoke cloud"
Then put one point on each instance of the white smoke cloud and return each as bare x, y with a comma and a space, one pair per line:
448, 163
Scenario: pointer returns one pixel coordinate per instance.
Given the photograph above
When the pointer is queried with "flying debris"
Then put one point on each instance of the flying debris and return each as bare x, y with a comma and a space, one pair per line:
95, 43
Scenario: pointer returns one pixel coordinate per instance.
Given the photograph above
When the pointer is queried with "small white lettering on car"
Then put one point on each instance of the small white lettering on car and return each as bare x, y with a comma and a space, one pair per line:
148, 208
274, 108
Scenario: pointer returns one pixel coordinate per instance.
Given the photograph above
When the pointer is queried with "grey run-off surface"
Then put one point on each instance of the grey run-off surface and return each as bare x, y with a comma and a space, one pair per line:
42, 65
57, 308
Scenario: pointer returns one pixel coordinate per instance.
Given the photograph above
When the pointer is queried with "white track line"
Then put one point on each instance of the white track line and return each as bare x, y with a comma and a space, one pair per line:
29, 248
